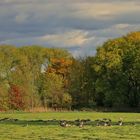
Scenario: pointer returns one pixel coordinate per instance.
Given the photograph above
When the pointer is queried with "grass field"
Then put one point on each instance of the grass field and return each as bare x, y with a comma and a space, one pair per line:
25, 129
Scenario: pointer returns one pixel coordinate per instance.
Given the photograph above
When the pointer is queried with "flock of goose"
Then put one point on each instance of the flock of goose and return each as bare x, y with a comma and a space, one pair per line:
65, 123
99, 122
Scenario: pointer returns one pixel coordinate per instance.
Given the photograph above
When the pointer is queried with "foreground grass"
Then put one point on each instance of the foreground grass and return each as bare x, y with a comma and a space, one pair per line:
40, 131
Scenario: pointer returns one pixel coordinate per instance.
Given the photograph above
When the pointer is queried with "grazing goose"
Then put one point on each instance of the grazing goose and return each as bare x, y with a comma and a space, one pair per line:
64, 123
103, 122
120, 122
108, 122
81, 124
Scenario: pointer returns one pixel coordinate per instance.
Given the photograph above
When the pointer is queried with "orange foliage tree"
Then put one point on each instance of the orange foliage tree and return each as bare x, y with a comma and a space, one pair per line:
61, 67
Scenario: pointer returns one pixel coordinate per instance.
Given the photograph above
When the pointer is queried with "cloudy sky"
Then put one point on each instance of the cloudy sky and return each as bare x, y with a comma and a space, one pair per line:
77, 25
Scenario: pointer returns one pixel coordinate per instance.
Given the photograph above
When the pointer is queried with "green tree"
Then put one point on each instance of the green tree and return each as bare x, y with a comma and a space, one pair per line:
117, 64
53, 94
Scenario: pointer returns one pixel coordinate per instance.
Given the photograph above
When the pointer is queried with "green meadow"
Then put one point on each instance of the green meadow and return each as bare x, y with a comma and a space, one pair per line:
32, 126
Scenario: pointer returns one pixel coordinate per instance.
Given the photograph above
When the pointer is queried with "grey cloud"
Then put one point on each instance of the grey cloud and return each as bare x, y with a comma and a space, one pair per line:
25, 22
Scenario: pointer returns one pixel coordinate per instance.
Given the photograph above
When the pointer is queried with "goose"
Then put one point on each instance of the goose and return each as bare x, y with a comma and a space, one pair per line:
120, 122
63, 123
81, 124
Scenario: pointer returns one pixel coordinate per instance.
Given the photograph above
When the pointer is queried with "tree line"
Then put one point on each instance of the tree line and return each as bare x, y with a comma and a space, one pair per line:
35, 76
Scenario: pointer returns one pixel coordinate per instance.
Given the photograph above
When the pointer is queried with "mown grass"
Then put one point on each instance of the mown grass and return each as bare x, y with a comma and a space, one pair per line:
23, 130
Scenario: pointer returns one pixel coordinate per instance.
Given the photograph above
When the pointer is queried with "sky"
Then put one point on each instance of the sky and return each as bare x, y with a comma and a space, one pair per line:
77, 25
